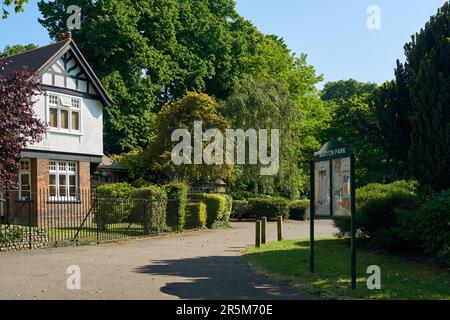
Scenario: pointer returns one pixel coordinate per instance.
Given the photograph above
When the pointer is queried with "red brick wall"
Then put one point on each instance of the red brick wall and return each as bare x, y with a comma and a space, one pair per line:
84, 176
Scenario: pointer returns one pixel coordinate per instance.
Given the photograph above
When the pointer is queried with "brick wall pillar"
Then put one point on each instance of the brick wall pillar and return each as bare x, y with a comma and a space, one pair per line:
84, 176
40, 185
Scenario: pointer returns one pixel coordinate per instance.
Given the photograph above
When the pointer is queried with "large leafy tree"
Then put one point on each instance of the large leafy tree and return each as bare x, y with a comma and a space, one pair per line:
15, 49
266, 104
182, 114
354, 121
19, 127
153, 52
428, 69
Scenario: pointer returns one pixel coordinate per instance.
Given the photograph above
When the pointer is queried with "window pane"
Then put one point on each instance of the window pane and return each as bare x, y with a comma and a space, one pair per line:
53, 99
62, 191
52, 191
75, 103
52, 166
64, 119
75, 121
53, 180
72, 191
72, 167
53, 118
62, 166
72, 181
24, 179
62, 180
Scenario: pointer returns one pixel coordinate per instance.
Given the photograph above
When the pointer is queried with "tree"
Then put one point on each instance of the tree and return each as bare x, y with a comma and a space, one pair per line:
267, 104
182, 114
19, 127
18, 6
428, 69
153, 52
15, 49
354, 122
393, 109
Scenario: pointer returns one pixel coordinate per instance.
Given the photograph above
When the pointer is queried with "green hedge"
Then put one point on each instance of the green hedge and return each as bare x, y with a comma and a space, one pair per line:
216, 206
434, 219
176, 206
114, 203
299, 210
271, 207
240, 209
141, 183
196, 215
228, 207
11, 235
153, 215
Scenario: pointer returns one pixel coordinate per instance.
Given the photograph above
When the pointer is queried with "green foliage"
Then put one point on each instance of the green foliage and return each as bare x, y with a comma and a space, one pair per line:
153, 217
228, 207
11, 235
298, 210
140, 183
216, 206
434, 219
135, 163
182, 114
343, 90
240, 209
271, 208
196, 215
115, 203
15, 49
153, 52
428, 72
18, 6
176, 207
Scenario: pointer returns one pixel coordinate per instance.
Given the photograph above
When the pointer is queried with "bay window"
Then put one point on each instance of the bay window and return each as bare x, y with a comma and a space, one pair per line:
63, 180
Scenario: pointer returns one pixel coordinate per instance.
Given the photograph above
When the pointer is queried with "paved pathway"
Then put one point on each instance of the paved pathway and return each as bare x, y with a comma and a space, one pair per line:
194, 265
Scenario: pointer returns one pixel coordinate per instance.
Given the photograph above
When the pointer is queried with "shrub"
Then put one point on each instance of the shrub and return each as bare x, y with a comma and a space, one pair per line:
114, 203
176, 206
11, 235
215, 207
196, 215
141, 183
271, 208
240, 208
298, 210
434, 220
228, 207
153, 215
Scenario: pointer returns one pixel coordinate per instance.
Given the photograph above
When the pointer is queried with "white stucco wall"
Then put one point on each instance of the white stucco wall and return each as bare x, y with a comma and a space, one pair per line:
89, 140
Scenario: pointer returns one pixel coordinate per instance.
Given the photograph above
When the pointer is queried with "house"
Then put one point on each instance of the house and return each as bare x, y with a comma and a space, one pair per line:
109, 171
71, 104
206, 186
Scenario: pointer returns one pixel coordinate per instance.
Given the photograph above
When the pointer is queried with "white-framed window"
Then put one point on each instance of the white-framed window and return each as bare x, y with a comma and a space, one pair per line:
64, 113
63, 177
25, 179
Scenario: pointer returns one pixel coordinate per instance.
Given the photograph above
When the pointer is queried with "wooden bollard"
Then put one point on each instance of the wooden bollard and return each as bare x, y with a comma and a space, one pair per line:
263, 230
258, 234
280, 228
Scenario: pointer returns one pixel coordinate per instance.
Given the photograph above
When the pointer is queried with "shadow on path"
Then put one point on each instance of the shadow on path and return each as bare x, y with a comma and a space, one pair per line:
217, 277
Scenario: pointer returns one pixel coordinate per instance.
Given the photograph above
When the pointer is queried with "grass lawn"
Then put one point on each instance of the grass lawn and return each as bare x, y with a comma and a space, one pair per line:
288, 261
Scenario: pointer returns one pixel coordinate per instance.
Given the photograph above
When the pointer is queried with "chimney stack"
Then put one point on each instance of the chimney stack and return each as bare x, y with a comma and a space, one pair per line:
65, 35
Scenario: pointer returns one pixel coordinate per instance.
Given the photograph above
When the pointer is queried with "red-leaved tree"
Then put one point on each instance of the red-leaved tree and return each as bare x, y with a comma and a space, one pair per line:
19, 126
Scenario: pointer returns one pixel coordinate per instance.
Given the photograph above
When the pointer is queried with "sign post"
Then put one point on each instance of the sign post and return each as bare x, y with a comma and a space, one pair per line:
332, 192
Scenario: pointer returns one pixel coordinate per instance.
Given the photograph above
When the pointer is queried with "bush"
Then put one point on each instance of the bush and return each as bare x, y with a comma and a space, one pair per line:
215, 207
434, 220
10, 235
228, 207
378, 207
114, 203
240, 208
153, 215
196, 215
271, 208
141, 183
298, 210
176, 206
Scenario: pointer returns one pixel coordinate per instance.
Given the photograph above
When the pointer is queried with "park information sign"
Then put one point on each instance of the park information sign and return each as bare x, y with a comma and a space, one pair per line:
332, 190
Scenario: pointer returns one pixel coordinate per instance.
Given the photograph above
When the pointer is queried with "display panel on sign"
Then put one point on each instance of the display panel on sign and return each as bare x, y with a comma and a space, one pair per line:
341, 187
322, 188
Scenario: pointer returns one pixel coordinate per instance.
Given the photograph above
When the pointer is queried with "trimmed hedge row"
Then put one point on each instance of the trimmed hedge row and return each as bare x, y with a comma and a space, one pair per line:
299, 210
196, 215
115, 202
176, 207
154, 219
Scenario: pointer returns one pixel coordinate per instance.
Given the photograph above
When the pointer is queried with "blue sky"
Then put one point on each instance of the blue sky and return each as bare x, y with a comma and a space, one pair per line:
332, 32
